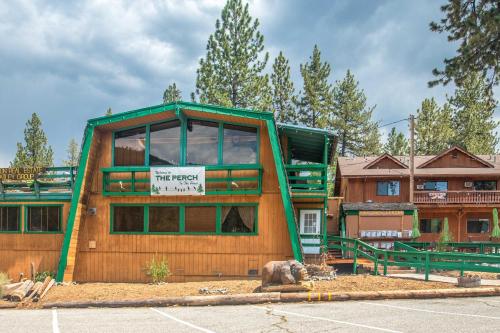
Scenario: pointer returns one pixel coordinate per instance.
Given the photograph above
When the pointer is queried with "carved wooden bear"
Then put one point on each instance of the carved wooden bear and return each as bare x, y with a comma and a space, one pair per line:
283, 272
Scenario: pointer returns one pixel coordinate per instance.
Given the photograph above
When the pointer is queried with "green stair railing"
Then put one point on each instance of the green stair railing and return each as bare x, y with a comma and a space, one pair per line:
421, 260
478, 247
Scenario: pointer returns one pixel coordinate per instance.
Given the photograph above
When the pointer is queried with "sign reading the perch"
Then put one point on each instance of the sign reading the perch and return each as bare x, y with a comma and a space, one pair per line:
178, 181
20, 174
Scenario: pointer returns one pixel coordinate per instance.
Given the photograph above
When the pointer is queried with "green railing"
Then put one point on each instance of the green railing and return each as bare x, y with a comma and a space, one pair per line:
55, 183
477, 247
307, 178
421, 260
219, 180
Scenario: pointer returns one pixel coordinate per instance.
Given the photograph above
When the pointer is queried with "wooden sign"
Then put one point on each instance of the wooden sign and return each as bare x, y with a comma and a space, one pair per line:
20, 174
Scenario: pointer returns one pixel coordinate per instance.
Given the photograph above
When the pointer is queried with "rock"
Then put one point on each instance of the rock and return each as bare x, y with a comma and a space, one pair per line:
469, 281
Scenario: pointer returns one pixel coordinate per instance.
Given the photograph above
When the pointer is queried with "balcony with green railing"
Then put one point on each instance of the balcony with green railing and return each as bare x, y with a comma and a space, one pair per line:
307, 179
54, 183
219, 180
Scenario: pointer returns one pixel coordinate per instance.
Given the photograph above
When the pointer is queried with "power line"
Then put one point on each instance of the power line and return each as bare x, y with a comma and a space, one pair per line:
394, 122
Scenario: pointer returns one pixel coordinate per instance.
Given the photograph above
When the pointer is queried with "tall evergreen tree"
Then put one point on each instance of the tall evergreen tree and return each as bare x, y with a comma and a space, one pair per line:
172, 94
473, 25
315, 100
434, 131
397, 144
473, 105
73, 153
283, 91
35, 152
231, 73
352, 119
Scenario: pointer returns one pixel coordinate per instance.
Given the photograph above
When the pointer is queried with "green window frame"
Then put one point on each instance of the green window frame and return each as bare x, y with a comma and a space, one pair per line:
183, 140
182, 211
19, 220
26, 216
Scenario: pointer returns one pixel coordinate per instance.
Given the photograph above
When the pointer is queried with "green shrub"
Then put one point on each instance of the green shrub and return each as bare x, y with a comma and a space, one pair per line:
3, 281
40, 276
158, 270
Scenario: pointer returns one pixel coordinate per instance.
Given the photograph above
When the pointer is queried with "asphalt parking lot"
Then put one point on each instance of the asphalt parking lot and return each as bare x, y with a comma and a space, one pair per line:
436, 315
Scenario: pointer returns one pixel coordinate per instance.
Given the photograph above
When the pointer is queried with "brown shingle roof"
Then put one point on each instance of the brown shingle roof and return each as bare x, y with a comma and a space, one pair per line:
355, 166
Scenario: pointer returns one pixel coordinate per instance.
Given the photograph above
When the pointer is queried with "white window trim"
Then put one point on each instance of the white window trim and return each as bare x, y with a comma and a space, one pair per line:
310, 211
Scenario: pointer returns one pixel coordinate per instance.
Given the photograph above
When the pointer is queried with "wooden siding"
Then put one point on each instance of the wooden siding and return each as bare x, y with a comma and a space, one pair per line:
18, 251
457, 222
123, 257
364, 189
455, 159
386, 163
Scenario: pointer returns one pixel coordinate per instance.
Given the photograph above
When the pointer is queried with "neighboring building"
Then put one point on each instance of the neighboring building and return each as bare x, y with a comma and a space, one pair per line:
453, 184
216, 191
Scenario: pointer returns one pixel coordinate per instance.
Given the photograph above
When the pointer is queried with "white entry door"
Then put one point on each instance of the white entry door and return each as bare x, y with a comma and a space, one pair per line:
310, 225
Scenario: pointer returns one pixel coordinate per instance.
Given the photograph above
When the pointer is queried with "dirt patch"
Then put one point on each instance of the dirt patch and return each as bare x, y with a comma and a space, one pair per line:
121, 291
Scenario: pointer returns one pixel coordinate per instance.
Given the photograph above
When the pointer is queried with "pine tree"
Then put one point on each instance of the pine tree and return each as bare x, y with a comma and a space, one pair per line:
36, 152
397, 144
352, 119
172, 94
433, 129
473, 25
283, 91
473, 105
315, 100
109, 112
231, 72
73, 152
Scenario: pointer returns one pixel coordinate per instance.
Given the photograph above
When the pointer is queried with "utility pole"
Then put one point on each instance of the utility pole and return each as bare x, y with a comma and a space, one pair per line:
412, 156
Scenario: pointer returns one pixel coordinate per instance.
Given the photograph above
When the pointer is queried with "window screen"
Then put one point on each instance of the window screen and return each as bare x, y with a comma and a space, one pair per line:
165, 141
130, 147
390, 188
200, 219
9, 218
43, 219
238, 219
436, 186
430, 225
240, 145
164, 219
202, 142
485, 185
478, 226
128, 219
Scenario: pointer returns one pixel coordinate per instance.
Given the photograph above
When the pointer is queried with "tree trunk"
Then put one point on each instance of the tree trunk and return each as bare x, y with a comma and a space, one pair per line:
18, 294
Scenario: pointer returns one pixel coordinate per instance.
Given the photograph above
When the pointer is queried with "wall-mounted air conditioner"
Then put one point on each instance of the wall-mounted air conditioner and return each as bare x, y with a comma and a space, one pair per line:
420, 186
468, 184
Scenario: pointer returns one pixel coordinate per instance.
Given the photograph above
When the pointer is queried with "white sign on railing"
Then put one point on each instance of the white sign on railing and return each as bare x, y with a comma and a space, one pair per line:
177, 181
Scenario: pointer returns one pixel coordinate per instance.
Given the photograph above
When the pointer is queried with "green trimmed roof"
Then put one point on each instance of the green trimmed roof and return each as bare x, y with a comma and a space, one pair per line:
307, 144
247, 113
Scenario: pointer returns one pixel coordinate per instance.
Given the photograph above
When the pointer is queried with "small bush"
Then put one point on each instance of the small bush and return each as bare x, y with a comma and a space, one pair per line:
3, 281
158, 270
40, 276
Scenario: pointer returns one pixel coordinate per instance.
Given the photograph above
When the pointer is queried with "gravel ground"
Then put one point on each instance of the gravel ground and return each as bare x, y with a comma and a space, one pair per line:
454, 315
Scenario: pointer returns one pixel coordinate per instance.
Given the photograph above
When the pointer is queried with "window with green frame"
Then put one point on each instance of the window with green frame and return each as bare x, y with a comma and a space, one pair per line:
190, 142
43, 219
216, 219
10, 217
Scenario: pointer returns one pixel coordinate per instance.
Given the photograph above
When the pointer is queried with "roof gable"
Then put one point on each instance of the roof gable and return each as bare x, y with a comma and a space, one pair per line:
455, 157
386, 161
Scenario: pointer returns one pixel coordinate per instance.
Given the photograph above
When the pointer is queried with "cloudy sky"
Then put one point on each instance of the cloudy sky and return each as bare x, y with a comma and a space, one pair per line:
71, 60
